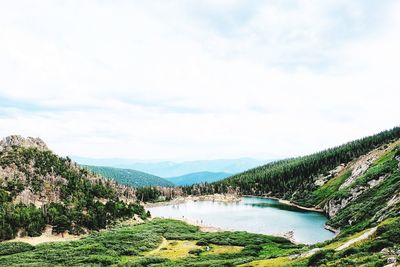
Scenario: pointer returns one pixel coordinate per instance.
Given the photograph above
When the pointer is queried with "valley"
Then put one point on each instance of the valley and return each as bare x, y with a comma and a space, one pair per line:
355, 185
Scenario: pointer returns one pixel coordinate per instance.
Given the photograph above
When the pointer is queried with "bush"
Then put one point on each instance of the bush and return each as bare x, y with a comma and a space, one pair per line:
349, 252
144, 262
318, 258
252, 250
377, 245
14, 247
102, 259
196, 252
202, 242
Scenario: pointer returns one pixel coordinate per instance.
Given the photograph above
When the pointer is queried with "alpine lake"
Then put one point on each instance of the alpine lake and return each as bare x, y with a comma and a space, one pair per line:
251, 214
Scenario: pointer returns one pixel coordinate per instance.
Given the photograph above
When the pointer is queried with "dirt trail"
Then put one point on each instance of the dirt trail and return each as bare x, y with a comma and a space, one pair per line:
163, 244
357, 239
46, 237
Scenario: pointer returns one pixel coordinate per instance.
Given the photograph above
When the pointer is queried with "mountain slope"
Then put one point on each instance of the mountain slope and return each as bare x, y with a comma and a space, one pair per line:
357, 185
129, 177
37, 188
360, 194
198, 177
172, 169
295, 178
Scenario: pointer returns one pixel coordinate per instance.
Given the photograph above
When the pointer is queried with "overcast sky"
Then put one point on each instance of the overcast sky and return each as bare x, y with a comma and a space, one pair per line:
184, 80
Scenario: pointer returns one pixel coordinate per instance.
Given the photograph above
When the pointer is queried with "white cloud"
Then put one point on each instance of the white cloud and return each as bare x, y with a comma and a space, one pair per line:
214, 79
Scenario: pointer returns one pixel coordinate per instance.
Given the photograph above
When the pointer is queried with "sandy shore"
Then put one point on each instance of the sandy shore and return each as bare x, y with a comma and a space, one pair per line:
46, 237
179, 200
202, 227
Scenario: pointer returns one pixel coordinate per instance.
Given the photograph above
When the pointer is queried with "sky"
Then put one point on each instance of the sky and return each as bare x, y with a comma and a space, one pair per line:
208, 79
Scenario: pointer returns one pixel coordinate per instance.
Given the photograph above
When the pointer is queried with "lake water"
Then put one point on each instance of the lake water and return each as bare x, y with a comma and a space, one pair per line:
252, 214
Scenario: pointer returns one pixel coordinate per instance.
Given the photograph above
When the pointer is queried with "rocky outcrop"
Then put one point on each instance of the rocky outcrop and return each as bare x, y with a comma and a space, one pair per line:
17, 140
333, 206
385, 212
47, 185
322, 179
360, 167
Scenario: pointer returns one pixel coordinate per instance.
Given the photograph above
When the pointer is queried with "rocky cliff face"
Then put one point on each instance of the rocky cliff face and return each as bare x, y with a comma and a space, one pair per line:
36, 184
363, 179
333, 206
17, 140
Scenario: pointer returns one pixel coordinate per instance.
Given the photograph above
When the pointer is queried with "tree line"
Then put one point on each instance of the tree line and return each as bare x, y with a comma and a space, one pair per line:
294, 177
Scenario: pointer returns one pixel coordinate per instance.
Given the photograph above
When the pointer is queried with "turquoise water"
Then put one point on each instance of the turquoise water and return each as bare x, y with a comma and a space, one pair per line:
252, 214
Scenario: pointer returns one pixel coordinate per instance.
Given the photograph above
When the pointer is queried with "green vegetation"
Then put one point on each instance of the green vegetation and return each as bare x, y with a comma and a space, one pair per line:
324, 192
294, 178
83, 203
370, 202
14, 247
369, 206
363, 204
148, 194
160, 242
129, 177
368, 252
174, 243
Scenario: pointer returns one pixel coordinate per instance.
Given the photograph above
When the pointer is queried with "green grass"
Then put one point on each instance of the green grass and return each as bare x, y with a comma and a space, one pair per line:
341, 241
161, 242
323, 193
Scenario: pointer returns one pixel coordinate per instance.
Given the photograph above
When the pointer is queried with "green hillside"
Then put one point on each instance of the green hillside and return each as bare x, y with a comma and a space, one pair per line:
156, 243
38, 188
198, 177
129, 177
357, 185
294, 178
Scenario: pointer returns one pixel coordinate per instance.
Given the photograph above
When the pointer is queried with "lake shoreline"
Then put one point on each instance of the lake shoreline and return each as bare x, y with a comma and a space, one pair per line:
227, 198
287, 202
214, 229
314, 209
224, 198
231, 198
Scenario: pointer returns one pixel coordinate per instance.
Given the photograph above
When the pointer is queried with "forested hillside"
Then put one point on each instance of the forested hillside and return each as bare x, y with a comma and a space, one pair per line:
129, 177
356, 184
295, 178
37, 188
198, 177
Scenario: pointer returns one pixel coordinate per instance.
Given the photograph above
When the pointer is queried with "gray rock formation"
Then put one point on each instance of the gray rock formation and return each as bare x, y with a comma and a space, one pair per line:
17, 140
333, 206
322, 179
50, 182
360, 167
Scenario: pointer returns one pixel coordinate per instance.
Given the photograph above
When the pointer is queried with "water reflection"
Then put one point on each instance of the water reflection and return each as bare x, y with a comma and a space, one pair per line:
276, 205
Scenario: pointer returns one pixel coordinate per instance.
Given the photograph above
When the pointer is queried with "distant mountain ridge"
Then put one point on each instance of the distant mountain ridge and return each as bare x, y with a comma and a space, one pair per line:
198, 177
129, 177
173, 169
